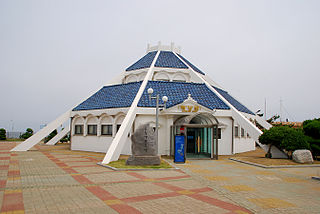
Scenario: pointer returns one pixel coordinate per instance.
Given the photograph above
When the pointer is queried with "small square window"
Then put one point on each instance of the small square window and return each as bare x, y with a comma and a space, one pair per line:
219, 133
242, 132
78, 129
92, 129
106, 130
236, 131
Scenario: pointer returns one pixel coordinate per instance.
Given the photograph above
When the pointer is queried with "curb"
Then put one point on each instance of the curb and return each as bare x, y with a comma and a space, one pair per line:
273, 167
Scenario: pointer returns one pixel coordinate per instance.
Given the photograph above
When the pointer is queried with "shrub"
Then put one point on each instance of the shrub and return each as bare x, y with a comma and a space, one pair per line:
284, 137
294, 139
51, 135
27, 134
3, 134
312, 128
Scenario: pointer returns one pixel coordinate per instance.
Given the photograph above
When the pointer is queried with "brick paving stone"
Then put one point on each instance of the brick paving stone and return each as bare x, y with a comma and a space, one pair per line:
186, 184
91, 170
125, 190
52, 179
178, 204
109, 177
161, 174
245, 185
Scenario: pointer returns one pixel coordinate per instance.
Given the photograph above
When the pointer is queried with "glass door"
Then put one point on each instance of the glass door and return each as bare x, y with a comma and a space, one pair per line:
199, 142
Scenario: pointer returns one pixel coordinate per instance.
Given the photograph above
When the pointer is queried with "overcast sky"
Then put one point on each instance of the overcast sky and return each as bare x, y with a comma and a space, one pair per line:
54, 54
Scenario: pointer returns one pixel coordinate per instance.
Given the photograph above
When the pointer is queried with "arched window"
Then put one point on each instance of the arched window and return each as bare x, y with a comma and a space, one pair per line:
118, 121
179, 78
92, 123
78, 125
106, 125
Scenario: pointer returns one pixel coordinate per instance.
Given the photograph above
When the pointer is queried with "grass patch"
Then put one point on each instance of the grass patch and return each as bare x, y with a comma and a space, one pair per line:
121, 164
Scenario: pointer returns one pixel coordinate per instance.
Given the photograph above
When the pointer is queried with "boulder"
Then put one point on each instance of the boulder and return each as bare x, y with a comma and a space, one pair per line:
302, 156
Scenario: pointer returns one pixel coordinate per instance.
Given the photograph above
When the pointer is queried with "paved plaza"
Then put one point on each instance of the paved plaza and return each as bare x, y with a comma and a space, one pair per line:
53, 179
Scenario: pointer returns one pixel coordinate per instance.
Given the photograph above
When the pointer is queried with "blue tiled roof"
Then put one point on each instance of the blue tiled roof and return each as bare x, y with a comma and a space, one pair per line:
115, 96
168, 59
233, 101
119, 96
144, 62
191, 65
177, 92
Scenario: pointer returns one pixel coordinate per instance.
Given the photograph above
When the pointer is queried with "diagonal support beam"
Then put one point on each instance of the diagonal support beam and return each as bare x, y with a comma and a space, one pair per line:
42, 133
118, 142
59, 136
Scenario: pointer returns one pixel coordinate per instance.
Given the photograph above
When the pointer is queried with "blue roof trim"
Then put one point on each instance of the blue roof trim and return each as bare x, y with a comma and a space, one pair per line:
115, 96
144, 62
235, 103
168, 59
191, 65
177, 92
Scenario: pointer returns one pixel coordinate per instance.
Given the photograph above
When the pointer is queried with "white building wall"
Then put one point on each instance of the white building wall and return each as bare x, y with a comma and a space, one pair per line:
243, 143
225, 143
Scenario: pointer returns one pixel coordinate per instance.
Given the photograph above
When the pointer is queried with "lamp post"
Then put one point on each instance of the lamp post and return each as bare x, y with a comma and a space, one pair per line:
164, 99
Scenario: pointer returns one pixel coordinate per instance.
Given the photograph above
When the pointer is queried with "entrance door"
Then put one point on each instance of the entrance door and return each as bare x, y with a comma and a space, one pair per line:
199, 142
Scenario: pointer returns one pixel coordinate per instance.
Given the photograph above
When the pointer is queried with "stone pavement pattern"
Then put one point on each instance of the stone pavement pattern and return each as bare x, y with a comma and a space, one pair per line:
282, 190
53, 179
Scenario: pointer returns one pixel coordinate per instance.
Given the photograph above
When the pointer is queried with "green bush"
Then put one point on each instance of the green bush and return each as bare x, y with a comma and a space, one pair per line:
312, 128
285, 138
294, 139
27, 134
3, 134
51, 135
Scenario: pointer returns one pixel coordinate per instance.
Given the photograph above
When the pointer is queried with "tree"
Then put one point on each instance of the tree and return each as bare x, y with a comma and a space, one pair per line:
3, 134
311, 129
27, 134
285, 138
51, 135
294, 139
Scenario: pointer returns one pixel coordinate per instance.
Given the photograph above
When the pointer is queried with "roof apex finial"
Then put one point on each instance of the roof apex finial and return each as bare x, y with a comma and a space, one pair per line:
161, 47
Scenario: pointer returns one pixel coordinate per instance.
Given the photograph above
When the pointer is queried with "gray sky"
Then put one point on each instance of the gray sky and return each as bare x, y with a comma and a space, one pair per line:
53, 54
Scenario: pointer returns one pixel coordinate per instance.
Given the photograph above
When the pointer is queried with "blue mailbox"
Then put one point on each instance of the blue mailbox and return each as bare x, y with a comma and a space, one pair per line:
179, 149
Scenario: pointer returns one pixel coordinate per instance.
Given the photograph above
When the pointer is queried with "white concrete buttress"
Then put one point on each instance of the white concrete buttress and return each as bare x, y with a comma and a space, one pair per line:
118, 142
59, 136
42, 133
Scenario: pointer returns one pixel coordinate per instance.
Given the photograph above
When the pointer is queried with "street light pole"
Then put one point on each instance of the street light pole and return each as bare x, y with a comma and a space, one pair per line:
157, 119
164, 99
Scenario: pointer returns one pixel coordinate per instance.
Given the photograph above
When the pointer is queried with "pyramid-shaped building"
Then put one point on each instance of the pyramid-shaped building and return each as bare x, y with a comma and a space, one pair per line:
212, 121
